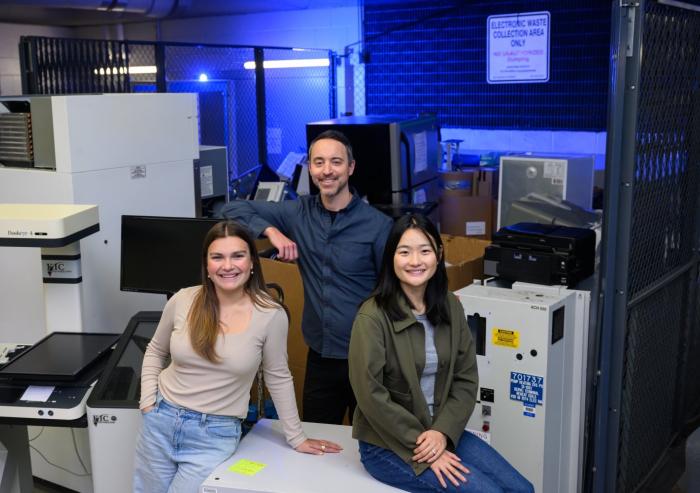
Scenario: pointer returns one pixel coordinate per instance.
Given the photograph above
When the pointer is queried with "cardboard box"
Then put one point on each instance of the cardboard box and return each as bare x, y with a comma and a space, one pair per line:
467, 216
465, 260
287, 276
485, 182
457, 182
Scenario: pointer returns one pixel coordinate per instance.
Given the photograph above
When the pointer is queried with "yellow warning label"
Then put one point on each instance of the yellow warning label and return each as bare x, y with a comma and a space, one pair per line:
506, 338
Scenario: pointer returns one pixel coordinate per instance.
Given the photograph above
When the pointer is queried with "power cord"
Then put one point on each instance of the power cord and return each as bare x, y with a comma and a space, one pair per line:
56, 465
38, 434
75, 447
77, 453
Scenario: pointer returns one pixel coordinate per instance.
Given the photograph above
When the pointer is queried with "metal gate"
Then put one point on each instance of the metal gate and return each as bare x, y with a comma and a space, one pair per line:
648, 394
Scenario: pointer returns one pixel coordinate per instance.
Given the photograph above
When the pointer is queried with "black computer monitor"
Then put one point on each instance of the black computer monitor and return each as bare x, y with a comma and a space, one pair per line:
161, 254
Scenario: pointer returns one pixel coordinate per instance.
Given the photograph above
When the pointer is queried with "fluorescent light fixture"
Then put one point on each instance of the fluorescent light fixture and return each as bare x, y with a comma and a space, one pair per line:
298, 63
203, 77
146, 69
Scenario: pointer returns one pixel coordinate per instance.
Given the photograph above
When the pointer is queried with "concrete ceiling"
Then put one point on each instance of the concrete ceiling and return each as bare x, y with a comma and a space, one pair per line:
74, 13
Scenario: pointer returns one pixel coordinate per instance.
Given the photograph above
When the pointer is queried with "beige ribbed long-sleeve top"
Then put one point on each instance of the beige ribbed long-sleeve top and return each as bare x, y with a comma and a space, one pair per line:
221, 388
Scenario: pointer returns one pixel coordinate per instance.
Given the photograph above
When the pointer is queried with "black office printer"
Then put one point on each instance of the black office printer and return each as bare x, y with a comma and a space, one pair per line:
541, 254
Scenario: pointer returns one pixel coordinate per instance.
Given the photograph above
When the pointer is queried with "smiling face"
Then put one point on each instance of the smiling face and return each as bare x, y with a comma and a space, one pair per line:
415, 260
329, 168
228, 264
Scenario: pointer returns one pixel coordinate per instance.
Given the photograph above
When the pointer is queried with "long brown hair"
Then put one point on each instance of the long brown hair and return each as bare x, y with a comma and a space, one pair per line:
203, 318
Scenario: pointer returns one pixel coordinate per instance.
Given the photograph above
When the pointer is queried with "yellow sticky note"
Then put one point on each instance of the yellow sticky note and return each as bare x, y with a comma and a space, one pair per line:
247, 467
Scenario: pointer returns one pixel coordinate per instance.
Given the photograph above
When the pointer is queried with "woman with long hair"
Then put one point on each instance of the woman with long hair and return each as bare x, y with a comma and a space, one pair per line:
413, 370
215, 335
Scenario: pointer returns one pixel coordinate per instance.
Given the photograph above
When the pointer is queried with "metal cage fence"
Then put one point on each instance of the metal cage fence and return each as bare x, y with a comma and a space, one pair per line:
648, 368
247, 110
73, 66
666, 180
226, 94
291, 97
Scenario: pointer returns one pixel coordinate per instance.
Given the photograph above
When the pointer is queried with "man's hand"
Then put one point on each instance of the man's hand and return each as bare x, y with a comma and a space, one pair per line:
287, 248
430, 444
450, 466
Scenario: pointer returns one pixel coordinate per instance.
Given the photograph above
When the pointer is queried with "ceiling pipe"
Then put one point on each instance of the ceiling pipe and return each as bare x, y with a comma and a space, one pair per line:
148, 8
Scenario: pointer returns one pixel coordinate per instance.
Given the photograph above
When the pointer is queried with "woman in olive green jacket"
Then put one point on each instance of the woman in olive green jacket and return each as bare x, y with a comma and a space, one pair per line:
413, 370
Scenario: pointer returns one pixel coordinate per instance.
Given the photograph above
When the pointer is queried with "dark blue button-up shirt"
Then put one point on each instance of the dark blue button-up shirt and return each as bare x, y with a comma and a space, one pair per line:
339, 260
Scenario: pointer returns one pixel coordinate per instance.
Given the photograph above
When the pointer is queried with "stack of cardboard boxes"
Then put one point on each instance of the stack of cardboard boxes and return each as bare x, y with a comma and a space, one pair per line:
470, 210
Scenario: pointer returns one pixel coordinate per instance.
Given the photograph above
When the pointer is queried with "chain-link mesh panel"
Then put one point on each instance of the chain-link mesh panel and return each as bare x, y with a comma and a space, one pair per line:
73, 66
355, 101
226, 94
294, 96
142, 67
432, 57
666, 180
650, 380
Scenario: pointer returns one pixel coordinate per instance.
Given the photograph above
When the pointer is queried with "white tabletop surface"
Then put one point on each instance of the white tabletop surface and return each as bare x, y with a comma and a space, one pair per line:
287, 471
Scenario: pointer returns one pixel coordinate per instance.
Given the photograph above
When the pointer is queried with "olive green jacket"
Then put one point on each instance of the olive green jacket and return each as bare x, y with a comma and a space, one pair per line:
386, 361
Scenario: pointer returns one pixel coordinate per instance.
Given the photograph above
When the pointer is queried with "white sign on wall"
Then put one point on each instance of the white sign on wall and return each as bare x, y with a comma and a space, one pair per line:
518, 48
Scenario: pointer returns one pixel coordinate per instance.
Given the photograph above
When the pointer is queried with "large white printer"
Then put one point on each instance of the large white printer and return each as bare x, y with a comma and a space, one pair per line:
531, 343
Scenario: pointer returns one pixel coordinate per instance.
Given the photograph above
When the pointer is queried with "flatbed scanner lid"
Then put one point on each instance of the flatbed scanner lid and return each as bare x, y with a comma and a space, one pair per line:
59, 357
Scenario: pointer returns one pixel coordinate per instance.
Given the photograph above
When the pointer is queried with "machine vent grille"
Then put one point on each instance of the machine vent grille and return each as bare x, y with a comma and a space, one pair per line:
16, 147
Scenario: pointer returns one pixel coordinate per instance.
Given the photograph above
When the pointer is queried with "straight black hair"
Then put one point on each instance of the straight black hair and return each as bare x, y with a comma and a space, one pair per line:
388, 292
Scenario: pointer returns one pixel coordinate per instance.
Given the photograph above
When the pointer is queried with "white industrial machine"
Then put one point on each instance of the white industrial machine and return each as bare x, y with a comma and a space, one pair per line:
48, 384
126, 153
531, 345
529, 178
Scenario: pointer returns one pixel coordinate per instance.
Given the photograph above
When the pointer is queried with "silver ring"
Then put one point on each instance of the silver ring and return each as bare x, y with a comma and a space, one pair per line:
323, 446
434, 451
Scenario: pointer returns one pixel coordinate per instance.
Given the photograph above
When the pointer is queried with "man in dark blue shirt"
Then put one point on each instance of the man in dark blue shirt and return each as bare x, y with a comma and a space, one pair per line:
338, 241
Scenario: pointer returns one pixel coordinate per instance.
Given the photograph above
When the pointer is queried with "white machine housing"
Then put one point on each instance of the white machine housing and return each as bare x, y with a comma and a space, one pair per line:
561, 177
113, 433
125, 153
531, 378
43, 223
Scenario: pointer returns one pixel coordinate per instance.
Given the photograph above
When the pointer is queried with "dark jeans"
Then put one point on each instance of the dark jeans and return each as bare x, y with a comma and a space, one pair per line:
489, 471
327, 391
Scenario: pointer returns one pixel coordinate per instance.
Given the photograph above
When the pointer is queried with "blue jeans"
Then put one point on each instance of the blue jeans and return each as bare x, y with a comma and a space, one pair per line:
178, 448
489, 471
